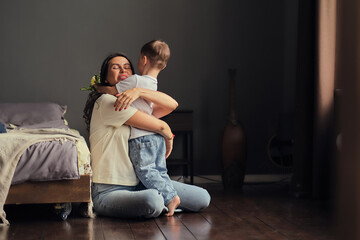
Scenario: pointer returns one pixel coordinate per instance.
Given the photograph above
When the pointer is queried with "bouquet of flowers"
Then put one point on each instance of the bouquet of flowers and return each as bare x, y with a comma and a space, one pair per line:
94, 80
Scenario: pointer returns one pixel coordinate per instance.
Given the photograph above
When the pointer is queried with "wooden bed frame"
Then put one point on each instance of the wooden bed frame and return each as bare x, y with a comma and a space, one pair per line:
63, 191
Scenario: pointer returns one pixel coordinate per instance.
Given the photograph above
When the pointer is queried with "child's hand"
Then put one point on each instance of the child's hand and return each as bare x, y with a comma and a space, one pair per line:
106, 89
169, 146
126, 98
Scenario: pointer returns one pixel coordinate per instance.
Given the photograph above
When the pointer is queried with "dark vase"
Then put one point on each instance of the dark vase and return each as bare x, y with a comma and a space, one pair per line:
233, 145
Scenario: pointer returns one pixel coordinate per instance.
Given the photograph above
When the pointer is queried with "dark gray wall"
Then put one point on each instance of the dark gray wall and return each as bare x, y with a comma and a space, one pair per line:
50, 49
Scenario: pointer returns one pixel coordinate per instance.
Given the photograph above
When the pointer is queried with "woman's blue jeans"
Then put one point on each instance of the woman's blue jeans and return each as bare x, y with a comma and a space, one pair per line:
138, 202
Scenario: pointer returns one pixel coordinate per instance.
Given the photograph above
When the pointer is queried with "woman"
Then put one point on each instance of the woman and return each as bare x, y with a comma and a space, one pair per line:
115, 189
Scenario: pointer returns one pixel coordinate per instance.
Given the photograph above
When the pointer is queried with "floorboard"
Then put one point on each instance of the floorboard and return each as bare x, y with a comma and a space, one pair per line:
259, 211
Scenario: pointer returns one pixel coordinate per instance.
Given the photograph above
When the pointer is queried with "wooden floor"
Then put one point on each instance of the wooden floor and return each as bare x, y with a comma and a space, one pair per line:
263, 211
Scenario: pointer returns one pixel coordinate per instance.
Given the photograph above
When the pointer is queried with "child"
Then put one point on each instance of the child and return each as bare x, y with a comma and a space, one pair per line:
147, 149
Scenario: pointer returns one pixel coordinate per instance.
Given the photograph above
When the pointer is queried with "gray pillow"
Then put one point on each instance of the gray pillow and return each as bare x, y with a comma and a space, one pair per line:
33, 115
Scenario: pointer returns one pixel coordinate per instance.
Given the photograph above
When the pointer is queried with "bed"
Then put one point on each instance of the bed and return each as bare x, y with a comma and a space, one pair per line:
42, 160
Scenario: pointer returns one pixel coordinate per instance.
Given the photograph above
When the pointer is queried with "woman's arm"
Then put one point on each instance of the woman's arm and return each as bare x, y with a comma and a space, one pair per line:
163, 103
147, 122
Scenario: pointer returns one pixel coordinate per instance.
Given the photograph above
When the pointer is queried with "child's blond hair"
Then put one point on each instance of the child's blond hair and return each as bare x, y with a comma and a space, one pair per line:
158, 53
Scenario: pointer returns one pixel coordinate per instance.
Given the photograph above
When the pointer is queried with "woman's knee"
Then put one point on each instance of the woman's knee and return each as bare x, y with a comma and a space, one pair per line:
154, 202
193, 198
203, 200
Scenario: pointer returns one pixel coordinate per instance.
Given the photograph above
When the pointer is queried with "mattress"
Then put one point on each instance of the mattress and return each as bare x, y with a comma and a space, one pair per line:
52, 160
47, 161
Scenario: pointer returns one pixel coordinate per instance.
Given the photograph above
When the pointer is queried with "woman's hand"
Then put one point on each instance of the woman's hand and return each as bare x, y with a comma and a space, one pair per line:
125, 99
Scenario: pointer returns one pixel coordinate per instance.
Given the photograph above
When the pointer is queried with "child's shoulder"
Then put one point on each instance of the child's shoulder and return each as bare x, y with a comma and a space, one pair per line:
131, 78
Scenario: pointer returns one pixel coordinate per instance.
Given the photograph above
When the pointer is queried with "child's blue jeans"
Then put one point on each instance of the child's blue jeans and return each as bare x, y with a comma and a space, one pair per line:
147, 154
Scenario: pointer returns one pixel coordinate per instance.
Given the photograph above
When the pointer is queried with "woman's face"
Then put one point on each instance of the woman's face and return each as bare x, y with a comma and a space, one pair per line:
119, 69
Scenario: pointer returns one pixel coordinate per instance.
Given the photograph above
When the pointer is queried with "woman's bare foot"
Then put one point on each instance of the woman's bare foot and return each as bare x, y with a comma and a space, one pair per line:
173, 204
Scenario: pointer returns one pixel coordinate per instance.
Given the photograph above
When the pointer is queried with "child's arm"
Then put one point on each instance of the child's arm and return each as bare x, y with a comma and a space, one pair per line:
163, 103
106, 89
147, 122
169, 146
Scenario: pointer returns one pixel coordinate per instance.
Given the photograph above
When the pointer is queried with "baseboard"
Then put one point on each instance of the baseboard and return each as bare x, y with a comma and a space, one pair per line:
250, 178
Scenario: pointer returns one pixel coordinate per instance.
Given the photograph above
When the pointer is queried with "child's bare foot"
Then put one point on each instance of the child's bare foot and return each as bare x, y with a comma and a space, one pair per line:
173, 204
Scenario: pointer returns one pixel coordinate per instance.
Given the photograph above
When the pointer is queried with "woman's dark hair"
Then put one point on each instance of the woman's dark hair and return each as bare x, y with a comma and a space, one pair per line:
93, 96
